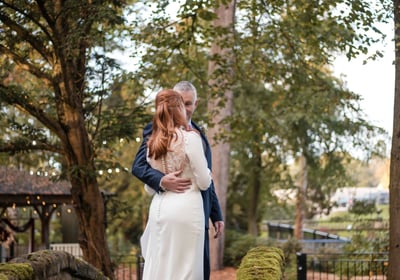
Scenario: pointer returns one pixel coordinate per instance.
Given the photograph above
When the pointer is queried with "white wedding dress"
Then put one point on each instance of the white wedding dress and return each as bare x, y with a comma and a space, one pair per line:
173, 241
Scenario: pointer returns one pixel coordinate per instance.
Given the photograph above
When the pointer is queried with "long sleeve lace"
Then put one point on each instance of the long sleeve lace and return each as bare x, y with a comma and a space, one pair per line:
197, 159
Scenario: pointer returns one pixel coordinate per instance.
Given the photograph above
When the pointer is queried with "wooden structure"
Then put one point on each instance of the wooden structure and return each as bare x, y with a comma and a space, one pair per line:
22, 189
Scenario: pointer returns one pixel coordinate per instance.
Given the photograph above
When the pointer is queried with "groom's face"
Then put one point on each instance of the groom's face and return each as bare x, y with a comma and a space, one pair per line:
190, 103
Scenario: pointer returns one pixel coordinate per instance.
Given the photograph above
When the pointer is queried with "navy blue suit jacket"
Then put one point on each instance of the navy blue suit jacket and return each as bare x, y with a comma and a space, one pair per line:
152, 177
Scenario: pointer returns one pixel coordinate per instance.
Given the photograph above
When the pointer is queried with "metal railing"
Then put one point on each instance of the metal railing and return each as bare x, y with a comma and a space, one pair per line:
371, 266
127, 267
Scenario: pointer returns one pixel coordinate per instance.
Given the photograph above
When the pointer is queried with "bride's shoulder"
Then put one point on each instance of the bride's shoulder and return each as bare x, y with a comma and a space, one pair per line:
189, 131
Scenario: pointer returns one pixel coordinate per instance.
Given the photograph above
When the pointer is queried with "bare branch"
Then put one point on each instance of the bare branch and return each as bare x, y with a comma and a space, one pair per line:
25, 65
21, 146
15, 97
38, 45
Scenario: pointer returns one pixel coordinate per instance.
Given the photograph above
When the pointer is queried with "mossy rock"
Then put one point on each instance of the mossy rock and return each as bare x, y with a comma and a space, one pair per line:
47, 264
17, 271
262, 263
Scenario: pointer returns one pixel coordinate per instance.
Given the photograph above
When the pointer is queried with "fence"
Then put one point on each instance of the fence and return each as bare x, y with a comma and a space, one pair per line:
372, 266
72, 248
127, 267
319, 245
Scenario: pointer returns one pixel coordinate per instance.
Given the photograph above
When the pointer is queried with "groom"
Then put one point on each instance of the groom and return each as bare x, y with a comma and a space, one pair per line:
161, 182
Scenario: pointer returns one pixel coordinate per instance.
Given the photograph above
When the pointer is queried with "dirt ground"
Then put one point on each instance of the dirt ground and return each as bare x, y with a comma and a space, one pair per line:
228, 273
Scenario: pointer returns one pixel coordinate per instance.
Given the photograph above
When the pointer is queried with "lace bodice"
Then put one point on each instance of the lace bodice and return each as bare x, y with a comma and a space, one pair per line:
185, 153
175, 159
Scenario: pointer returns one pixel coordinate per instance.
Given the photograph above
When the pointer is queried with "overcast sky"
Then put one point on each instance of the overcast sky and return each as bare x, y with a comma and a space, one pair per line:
374, 81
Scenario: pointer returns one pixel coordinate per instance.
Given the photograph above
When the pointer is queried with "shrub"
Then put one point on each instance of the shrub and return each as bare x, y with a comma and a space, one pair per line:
262, 263
236, 246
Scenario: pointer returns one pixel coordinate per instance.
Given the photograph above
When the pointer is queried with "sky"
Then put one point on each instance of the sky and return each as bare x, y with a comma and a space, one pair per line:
374, 81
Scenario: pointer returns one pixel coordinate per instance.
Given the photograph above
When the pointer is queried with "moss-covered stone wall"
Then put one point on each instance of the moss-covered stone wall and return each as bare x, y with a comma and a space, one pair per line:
49, 265
262, 263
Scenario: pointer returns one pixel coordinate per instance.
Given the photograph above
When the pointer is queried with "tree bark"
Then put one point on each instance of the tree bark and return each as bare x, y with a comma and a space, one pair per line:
300, 201
78, 151
89, 203
252, 224
394, 184
221, 94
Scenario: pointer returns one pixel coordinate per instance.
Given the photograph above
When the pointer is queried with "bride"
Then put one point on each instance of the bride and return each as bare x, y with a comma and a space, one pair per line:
173, 241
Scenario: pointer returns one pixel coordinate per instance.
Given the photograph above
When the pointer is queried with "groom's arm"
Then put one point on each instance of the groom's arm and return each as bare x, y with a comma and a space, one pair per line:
153, 177
216, 213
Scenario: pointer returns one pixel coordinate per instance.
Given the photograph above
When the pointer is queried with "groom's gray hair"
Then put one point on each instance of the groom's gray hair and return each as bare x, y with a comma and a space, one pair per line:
185, 86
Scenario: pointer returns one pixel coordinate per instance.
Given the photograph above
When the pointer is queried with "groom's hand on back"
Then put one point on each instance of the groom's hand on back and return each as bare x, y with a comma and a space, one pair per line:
173, 183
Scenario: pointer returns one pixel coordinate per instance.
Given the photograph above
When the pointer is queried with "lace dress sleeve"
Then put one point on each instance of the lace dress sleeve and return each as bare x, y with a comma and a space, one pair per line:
197, 160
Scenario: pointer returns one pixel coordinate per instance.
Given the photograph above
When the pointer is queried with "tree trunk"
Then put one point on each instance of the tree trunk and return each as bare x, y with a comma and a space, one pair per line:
89, 203
52, 41
79, 155
394, 184
220, 149
300, 201
252, 224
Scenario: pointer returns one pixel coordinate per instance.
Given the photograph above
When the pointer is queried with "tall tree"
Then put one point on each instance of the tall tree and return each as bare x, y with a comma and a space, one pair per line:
45, 51
220, 104
286, 46
394, 183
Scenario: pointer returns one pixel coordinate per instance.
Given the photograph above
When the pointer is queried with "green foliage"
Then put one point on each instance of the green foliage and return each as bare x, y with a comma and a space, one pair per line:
363, 207
30, 93
290, 247
287, 102
367, 236
368, 242
237, 244
236, 247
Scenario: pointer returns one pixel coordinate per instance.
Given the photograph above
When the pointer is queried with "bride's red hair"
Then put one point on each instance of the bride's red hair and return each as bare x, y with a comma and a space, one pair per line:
170, 114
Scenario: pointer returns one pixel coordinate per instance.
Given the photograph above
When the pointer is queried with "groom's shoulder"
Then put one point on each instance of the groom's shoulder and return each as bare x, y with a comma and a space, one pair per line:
148, 128
197, 126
